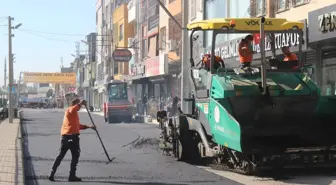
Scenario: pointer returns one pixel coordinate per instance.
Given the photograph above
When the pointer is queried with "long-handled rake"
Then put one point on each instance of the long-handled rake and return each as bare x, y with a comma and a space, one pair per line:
108, 157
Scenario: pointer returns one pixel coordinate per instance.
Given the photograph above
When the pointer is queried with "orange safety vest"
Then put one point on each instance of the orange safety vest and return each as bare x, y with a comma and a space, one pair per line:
71, 123
245, 53
291, 57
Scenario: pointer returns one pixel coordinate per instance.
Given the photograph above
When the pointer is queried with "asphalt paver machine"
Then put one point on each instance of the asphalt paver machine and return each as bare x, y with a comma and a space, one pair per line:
268, 116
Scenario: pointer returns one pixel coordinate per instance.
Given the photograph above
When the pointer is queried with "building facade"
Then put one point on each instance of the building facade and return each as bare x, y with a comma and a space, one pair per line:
98, 93
322, 39
122, 30
170, 47
90, 67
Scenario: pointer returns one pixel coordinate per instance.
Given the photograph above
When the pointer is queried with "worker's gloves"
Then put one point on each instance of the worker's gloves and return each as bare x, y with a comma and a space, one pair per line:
83, 102
92, 127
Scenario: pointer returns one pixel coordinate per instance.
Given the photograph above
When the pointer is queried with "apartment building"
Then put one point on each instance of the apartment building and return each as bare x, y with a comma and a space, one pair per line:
136, 66
90, 67
170, 47
122, 30
99, 82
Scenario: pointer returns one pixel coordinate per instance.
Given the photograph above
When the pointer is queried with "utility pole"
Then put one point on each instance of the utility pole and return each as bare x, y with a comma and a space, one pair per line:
77, 49
5, 74
185, 87
10, 68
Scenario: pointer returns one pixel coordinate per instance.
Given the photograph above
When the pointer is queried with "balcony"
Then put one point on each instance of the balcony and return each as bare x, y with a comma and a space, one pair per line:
132, 11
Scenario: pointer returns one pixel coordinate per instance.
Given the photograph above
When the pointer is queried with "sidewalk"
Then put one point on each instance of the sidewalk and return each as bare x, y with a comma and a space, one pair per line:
11, 164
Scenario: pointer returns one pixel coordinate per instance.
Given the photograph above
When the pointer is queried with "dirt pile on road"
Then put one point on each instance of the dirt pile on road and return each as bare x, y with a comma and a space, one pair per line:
146, 142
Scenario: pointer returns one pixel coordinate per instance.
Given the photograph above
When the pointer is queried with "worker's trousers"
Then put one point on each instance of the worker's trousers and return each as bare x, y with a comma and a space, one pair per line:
68, 142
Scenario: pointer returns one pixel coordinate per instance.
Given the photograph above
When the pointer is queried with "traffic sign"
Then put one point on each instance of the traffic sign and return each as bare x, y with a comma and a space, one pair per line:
13, 89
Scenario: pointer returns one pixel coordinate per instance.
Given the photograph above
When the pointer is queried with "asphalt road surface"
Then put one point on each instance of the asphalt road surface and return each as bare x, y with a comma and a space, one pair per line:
133, 148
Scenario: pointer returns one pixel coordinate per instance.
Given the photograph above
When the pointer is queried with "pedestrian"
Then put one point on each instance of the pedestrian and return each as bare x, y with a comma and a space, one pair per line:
70, 139
144, 104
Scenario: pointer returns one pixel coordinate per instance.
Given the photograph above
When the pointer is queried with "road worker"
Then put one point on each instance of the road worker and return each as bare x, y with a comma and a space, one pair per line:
245, 51
289, 56
219, 62
70, 139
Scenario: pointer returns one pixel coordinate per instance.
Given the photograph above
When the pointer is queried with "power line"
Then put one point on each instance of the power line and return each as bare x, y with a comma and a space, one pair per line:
64, 34
53, 39
48, 38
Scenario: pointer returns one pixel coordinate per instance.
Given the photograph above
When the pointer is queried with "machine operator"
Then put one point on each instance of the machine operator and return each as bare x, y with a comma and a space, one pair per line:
245, 51
289, 56
219, 62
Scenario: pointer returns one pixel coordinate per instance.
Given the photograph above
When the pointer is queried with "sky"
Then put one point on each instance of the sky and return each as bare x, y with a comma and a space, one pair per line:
35, 48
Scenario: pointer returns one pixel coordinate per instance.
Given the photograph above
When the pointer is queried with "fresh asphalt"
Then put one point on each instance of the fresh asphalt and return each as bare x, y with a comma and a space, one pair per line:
132, 147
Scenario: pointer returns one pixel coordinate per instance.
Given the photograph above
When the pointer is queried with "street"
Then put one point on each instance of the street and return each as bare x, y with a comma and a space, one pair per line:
133, 148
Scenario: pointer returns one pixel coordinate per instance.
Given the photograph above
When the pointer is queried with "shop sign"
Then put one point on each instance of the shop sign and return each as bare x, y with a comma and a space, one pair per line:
152, 66
138, 70
122, 55
327, 22
230, 49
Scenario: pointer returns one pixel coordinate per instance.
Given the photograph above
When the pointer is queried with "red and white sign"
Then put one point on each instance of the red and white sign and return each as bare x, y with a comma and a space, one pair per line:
156, 66
71, 89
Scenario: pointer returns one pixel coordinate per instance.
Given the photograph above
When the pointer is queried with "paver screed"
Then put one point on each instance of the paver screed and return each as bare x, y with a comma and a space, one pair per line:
11, 168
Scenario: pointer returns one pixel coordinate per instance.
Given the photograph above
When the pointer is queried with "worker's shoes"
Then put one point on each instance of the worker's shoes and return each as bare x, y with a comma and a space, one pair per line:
51, 177
74, 178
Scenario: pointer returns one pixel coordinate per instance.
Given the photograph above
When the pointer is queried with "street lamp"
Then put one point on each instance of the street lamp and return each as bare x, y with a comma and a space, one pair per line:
84, 42
10, 68
17, 26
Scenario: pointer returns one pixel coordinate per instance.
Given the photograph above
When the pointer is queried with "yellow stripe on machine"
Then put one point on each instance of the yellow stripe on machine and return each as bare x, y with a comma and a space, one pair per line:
246, 24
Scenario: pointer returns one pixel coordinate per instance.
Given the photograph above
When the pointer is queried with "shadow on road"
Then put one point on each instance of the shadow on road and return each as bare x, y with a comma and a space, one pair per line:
132, 183
28, 164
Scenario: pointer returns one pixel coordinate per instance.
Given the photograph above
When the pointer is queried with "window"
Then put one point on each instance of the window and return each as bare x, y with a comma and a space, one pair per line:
215, 9
121, 32
300, 2
259, 7
117, 91
281, 5
144, 48
152, 46
328, 86
116, 68
163, 37
238, 8
192, 9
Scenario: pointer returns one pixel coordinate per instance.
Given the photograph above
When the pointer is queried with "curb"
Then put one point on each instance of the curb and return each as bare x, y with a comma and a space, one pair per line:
21, 138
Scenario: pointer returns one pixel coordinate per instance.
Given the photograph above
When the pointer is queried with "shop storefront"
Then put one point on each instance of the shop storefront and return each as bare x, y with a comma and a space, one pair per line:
138, 82
158, 81
322, 38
